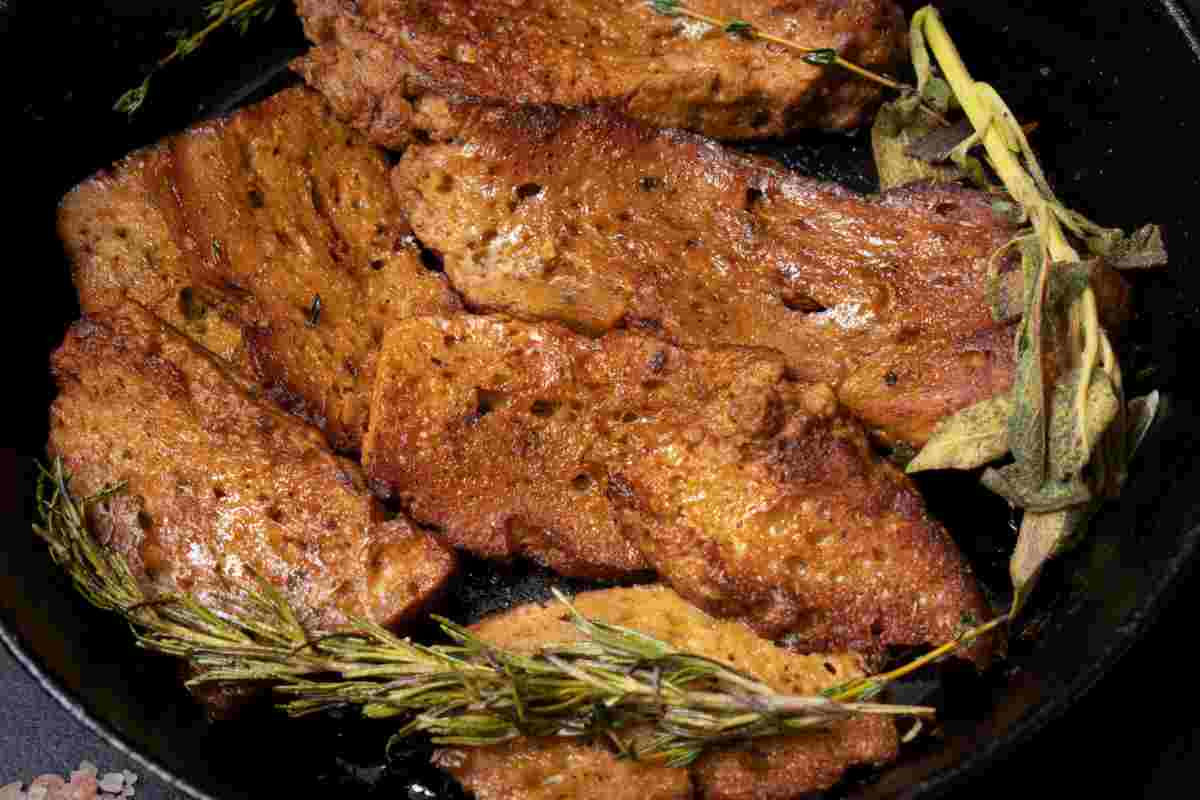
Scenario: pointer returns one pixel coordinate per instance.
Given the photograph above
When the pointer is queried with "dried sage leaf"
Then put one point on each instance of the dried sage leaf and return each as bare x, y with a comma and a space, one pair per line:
969, 439
897, 126
1142, 249
1066, 281
1027, 425
1142, 413
936, 146
1070, 448
1042, 537
1014, 485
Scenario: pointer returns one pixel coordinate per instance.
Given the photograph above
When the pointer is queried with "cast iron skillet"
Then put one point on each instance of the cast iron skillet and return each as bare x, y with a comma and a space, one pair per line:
1111, 86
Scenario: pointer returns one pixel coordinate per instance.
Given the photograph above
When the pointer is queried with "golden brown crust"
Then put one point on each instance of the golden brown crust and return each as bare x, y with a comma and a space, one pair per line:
219, 484
595, 221
373, 58
492, 445
750, 494
558, 769
232, 229
770, 768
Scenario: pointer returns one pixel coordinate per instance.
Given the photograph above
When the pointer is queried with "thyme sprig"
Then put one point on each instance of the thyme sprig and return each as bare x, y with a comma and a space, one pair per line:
817, 56
238, 14
653, 700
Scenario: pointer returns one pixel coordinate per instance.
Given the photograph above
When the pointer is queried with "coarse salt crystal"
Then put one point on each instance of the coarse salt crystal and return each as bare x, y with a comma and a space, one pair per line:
112, 782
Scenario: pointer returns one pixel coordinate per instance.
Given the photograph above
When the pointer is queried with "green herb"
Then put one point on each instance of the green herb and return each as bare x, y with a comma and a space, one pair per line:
819, 56
971, 438
237, 13
1073, 451
466, 693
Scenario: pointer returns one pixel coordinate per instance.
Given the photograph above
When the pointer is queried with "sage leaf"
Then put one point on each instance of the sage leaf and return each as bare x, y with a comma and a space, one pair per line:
1042, 537
969, 439
937, 145
1027, 425
897, 126
1014, 485
1065, 283
1142, 249
1142, 413
1069, 447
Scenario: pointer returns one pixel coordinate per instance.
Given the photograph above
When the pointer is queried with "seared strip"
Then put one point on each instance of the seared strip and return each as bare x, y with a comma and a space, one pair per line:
271, 237
220, 487
375, 57
774, 768
750, 494
590, 219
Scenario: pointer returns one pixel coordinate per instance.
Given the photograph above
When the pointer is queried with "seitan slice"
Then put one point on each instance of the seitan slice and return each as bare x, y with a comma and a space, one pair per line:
221, 487
373, 58
749, 493
593, 220
768, 768
271, 237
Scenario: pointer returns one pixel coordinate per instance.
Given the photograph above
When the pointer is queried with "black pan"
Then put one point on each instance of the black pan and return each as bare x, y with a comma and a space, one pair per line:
1112, 86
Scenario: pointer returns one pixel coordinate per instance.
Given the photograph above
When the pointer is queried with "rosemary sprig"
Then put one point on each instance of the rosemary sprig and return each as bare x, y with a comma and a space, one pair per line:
219, 13
468, 692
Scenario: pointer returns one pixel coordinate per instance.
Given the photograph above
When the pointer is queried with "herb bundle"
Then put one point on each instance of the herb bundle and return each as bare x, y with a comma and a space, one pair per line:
1071, 437
468, 692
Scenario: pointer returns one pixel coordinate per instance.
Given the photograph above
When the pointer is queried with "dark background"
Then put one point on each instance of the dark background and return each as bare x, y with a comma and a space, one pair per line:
1134, 735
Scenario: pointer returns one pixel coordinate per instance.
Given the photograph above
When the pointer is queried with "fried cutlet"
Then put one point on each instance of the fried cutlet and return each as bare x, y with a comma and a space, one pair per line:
271, 237
374, 58
771, 768
593, 220
751, 494
219, 487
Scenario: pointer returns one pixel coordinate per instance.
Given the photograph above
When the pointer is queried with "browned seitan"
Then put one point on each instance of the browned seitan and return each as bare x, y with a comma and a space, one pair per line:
773, 768
750, 494
220, 487
374, 57
271, 237
598, 222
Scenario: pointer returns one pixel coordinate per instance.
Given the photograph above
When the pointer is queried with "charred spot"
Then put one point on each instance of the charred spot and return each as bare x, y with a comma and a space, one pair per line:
582, 482
431, 259
645, 324
487, 401
945, 209
648, 183
544, 408
527, 190
754, 197
256, 199
191, 306
377, 264
802, 303
658, 362
760, 118
890, 378
145, 521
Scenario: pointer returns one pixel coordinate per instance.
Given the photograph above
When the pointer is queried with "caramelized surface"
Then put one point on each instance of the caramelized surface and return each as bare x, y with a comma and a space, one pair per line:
592, 220
232, 230
375, 57
750, 494
768, 768
221, 487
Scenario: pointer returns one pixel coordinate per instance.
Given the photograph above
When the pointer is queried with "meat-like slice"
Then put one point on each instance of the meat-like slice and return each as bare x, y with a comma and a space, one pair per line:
560, 769
374, 57
587, 218
783, 767
273, 238
219, 486
748, 493
498, 433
